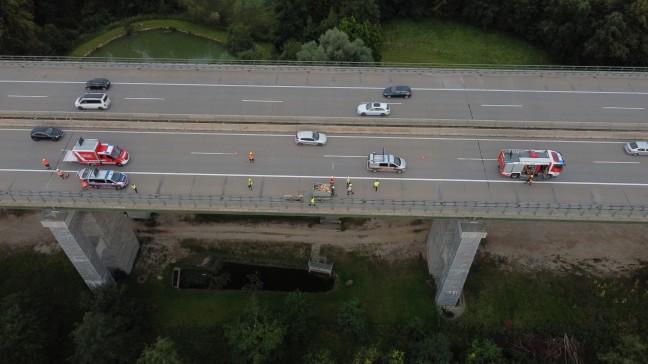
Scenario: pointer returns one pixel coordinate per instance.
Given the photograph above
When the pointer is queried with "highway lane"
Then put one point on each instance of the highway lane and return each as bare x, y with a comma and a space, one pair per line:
332, 93
453, 169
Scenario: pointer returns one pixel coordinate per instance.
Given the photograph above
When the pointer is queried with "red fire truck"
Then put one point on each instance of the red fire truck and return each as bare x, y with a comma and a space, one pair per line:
544, 164
93, 152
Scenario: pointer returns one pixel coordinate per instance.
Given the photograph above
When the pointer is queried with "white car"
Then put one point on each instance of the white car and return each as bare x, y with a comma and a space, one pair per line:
93, 101
310, 138
636, 148
374, 108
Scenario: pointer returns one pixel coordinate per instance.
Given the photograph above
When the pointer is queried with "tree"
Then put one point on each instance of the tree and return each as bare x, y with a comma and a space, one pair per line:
256, 15
256, 336
565, 27
629, 350
425, 345
322, 356
484, 351
370, 33
366, 355
161, 352
611, 42
335, 46
18, 31
482, 12
352, 319
112, 321
238, 39
291, 17
102, 338
363, 10
22, 337
297, 316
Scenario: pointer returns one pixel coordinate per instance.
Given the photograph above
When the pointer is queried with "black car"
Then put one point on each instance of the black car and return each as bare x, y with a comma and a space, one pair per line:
46, 132
97, 84
397, 91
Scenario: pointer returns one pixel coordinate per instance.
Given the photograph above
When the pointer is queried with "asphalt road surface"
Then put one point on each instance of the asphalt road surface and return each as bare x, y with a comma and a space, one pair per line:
285, 91
443, 169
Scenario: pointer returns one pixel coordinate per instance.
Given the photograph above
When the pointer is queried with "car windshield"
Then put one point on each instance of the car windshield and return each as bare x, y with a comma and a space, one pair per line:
633, 145
397, 161
116, 152
116, 177
315, 135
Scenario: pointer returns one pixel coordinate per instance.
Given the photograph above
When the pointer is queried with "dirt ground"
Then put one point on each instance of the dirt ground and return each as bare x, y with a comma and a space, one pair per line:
520, 245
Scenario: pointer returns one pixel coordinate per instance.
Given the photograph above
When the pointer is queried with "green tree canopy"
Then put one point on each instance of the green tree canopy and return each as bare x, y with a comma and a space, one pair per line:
334, 45
22, 337
161, 352
352, 319
256, 336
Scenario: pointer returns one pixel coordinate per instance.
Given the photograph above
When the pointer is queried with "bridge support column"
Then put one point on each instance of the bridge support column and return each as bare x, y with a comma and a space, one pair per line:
96, 242
451, 248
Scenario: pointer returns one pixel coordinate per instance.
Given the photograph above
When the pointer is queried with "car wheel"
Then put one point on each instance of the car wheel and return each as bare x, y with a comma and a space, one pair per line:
100, 108
319, 144
91, 164
549, 176
389, 96
104, 88
407, 96
80, 107
35, 139
635, 154
87, 88
363, 114
119, 164
383, 114
374, 170
399, 171
515, 175
300, 144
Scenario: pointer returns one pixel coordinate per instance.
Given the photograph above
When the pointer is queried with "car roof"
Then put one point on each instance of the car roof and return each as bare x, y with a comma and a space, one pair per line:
641, 144
305, 134
99, 80
93, 95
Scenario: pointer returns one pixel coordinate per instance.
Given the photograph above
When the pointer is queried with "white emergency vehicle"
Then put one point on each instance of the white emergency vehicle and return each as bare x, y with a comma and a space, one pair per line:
384, 162
543, 164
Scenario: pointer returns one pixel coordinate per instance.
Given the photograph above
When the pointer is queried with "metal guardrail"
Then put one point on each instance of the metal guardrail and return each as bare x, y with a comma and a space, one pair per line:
395, 65
89, 200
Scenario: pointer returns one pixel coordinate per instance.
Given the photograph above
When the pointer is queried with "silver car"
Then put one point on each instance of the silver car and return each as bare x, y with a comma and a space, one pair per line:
374, 108
310, 138
636, 148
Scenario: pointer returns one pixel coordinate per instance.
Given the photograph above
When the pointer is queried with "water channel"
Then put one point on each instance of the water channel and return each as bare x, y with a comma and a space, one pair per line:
170, 44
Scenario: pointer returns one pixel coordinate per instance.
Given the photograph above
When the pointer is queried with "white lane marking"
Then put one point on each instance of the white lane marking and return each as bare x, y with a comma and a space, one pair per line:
495, 105
143, 98
373, 178
214, 153
343, 156
261, 100
623, 108
612, 162
24, 96
342, 87
476, 159
508, 140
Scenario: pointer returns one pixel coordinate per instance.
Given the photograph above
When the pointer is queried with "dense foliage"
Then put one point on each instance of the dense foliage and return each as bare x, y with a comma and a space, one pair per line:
601, 32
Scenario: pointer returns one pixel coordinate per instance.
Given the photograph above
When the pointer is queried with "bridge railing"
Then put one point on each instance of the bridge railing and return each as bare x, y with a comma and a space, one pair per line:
271, 62
338, 206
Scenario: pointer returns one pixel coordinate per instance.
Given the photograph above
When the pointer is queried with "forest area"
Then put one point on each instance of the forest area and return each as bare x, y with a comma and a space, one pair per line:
573, 32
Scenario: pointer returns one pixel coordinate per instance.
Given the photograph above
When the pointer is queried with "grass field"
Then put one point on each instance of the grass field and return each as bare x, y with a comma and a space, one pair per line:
441, 41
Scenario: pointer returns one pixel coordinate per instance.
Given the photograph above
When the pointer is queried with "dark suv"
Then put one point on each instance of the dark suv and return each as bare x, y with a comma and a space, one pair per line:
397, 91
97, 84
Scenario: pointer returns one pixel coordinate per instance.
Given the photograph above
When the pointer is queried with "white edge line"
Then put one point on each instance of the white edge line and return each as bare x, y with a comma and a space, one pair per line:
504, 180
613, 162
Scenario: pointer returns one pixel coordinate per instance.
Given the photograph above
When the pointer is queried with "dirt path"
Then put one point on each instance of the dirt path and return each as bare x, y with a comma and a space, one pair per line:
596, 248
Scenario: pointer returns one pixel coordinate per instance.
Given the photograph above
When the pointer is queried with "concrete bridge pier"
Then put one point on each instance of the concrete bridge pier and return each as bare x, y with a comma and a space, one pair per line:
451, 248
97, 243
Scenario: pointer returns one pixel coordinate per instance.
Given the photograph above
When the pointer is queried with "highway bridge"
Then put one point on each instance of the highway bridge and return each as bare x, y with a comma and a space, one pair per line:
189, 129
